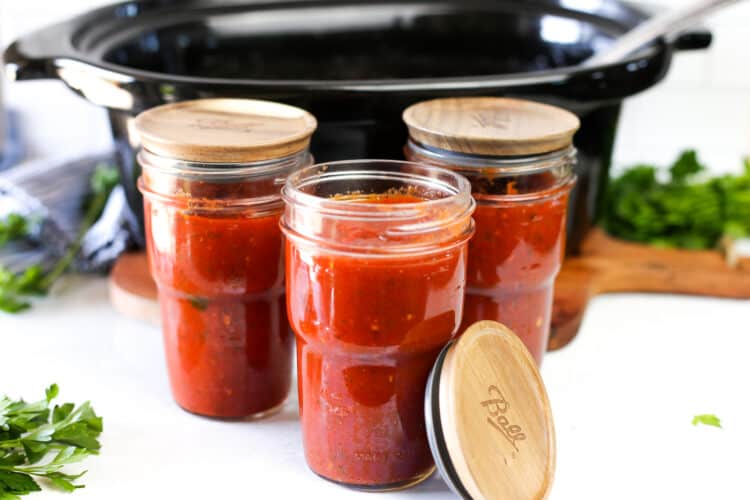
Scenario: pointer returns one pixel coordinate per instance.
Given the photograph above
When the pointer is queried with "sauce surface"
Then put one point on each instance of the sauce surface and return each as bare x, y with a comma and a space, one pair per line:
369, 329
393, 198
221, 292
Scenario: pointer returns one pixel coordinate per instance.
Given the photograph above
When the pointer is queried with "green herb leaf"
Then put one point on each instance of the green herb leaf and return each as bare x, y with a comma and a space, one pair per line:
78, 434
683, 212
17, 482
35, 451
69, 455
12, 458
30, 282
52, 392
707, 419
14, 227
686, 166
39, 442
12, 304
64, 481
15, 288
104, 179
61, 412
61, 483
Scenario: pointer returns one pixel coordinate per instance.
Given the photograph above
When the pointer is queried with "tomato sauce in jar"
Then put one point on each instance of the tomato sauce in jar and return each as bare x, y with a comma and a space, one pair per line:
212, 173
376, 265
518, 157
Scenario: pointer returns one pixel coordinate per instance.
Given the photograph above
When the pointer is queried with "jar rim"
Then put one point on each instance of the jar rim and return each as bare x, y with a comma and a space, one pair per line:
362, 210
407, 228
500, 165
221, 171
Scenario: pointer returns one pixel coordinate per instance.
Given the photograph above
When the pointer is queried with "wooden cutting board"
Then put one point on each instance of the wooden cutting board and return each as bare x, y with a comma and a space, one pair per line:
605, 265
132, 291
608, 265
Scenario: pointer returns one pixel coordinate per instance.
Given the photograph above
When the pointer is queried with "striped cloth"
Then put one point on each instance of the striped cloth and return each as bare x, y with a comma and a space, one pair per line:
52, 194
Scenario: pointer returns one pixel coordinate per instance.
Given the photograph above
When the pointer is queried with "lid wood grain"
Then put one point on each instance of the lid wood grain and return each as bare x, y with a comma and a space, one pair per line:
225, 130
491, 126
495, 417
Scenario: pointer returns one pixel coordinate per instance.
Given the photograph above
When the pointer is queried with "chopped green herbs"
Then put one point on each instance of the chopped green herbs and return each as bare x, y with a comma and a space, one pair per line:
707, 419
685, 211
38, 440
17, 288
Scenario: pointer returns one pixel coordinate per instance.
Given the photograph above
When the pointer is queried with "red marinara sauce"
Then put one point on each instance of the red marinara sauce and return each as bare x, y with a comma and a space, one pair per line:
514, 256
216, 251
518, 157
373, 298
221, 293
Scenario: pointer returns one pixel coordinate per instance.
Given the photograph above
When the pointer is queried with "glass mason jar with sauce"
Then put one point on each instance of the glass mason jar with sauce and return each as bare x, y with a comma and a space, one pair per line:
212, 174
518, 156
376, 261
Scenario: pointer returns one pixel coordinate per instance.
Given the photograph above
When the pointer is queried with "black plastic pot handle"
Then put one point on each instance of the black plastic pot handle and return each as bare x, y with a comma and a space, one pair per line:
604, 83
693, 40
18, 66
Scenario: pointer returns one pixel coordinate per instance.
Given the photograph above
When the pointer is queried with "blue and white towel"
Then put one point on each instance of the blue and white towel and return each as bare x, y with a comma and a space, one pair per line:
51, 192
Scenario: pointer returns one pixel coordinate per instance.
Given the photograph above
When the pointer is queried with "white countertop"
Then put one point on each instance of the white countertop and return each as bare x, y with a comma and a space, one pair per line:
623, 395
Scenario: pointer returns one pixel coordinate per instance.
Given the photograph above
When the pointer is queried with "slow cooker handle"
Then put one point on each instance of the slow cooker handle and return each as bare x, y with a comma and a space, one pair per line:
20, 66
638, 72
37, 57
696, 39
661, 25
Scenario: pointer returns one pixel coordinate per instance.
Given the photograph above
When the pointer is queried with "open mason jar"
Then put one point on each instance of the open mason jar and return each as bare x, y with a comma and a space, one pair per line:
518, 157
376, 261
212, 175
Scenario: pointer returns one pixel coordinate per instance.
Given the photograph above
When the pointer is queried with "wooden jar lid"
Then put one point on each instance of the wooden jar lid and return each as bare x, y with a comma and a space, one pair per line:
488, 417
491, 126
225, 130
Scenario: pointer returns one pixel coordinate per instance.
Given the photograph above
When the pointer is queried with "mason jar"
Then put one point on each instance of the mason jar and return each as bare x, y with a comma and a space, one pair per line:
376, 268
518, 157
212, 174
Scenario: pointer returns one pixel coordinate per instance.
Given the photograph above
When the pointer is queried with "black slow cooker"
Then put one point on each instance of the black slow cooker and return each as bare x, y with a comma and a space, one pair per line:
356, 65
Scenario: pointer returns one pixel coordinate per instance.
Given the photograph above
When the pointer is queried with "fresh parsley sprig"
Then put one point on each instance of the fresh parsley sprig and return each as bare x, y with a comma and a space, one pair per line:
687, 210
17, 288
38, 440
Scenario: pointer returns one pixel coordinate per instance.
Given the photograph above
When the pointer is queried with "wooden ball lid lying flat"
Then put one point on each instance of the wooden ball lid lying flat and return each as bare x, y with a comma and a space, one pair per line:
488, 417
225, 130
491, 126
